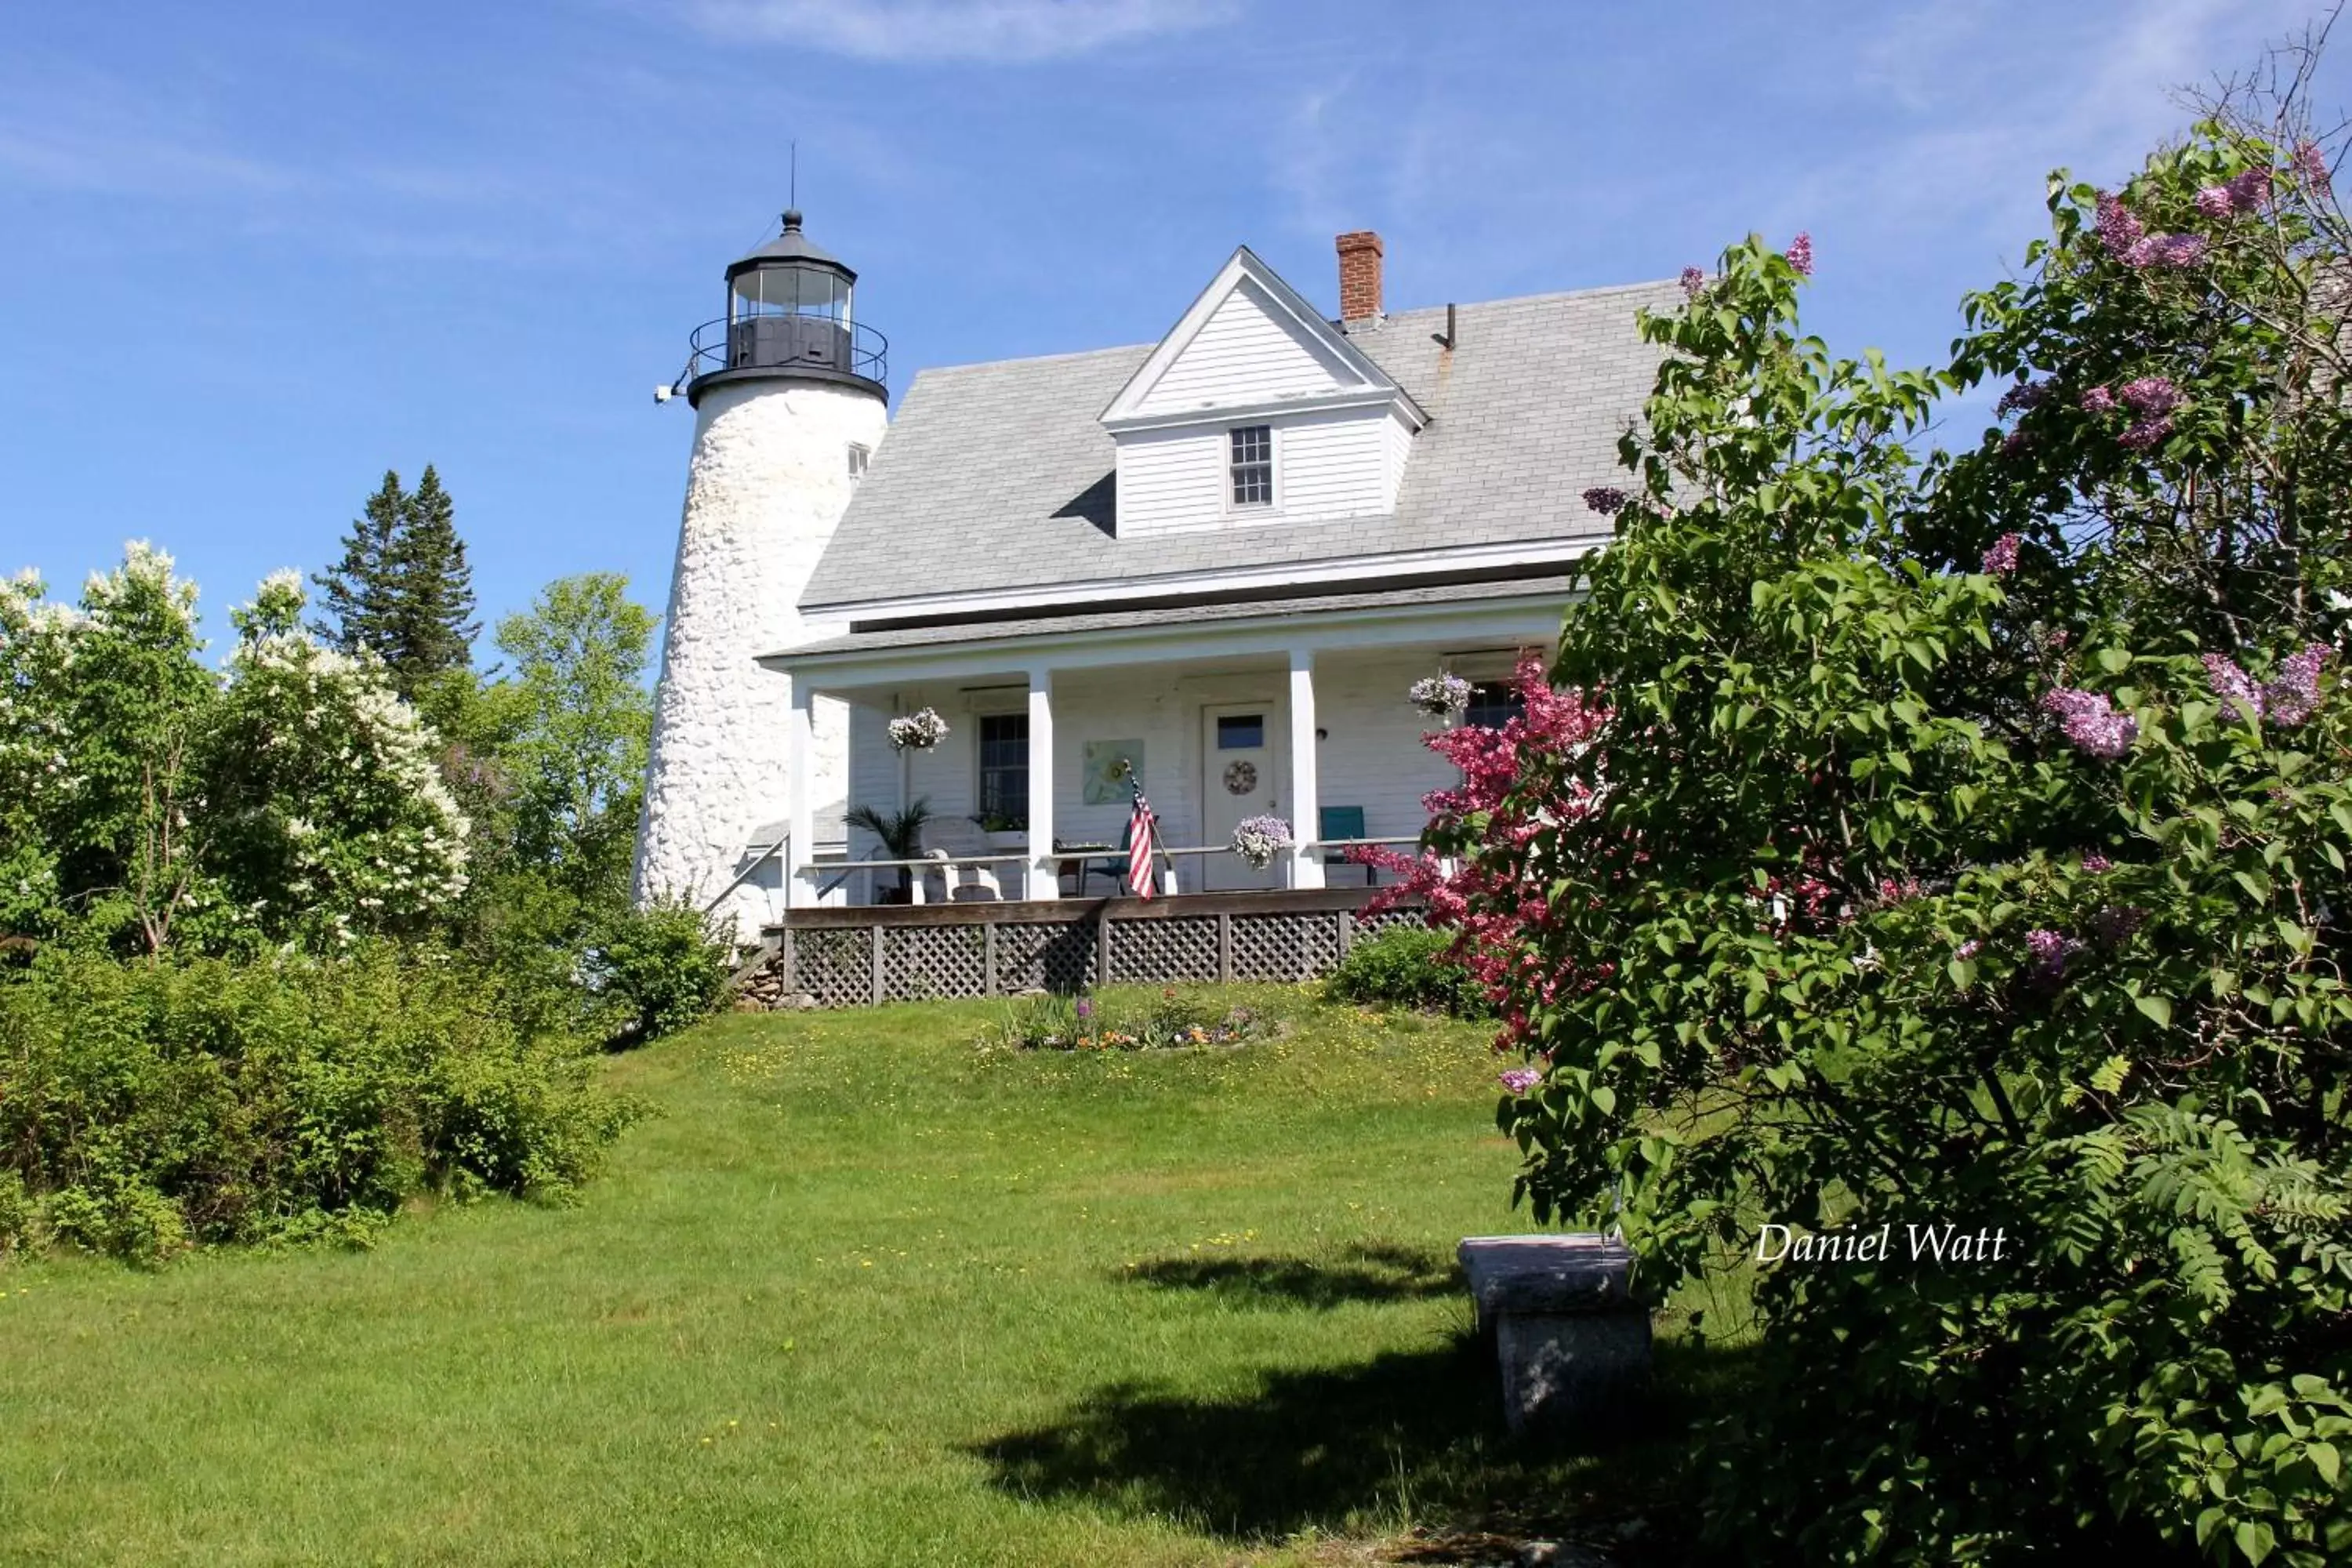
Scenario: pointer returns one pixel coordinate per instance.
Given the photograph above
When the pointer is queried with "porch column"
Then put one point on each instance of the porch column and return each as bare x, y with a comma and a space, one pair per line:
800, 811
1044, 882
1306, 789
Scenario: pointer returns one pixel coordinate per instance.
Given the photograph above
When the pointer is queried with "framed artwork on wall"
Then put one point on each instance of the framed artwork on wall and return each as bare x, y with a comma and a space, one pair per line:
1109, 764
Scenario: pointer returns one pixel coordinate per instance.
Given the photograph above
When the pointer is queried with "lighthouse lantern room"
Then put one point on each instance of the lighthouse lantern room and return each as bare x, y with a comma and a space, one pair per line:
789, 312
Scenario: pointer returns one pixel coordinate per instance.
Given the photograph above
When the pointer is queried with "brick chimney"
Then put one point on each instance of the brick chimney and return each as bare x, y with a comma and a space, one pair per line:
1359, 275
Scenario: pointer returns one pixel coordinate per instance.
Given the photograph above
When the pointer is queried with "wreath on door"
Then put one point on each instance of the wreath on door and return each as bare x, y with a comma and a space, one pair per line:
1240, 778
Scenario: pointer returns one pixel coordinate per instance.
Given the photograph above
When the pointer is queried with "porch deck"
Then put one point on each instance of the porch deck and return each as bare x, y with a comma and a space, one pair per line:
896, 952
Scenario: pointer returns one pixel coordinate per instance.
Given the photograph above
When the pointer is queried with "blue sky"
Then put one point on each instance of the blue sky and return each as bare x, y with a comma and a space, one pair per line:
257, 253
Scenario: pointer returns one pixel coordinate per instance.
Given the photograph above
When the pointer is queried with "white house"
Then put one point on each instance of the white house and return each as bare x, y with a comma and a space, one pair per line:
1222, 558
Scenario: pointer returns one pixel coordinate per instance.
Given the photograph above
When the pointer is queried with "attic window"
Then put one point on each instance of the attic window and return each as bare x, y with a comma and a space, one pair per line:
857, 455
1253, 465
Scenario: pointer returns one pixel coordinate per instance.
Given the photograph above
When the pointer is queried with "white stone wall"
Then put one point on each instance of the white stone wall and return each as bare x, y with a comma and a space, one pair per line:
768, 482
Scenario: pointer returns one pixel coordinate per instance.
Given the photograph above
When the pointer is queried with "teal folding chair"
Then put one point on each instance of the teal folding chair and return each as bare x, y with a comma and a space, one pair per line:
1340, 822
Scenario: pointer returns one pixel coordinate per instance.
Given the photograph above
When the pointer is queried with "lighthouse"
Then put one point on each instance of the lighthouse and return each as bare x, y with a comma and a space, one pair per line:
788, 394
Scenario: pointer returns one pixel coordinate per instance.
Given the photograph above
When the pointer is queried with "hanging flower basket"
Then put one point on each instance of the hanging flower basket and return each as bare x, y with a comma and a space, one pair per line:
919, 731
1440, 696
1258, 838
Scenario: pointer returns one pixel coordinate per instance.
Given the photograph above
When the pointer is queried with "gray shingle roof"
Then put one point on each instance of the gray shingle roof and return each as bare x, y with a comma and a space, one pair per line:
998, 477
1560, 586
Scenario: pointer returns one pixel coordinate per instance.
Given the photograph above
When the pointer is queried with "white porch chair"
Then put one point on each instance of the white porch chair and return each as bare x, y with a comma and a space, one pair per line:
955, 835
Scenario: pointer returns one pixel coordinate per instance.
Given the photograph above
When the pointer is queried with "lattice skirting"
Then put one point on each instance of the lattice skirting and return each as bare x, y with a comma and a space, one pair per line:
845, 967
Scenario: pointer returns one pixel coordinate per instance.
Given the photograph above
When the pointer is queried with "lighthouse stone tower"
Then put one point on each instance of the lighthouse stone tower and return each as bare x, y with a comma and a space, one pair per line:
789, 400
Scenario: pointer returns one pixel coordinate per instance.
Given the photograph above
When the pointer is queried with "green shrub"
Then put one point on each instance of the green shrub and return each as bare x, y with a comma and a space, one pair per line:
1407, 966
150, 1106
660, 968
18, 1215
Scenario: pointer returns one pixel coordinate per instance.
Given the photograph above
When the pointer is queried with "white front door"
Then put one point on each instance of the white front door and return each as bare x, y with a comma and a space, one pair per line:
1237, 781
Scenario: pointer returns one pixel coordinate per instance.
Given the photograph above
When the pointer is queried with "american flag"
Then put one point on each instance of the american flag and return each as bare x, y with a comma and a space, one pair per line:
1139, 846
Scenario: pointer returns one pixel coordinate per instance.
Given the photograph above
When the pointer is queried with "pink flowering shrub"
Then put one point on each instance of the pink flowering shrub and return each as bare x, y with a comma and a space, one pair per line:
1842, 875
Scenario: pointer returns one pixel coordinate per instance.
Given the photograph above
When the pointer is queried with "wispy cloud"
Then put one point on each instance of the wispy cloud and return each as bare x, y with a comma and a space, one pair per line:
1993, 105
988, 31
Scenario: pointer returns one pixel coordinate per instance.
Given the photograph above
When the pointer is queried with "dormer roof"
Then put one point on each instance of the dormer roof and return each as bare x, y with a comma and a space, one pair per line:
1295, 360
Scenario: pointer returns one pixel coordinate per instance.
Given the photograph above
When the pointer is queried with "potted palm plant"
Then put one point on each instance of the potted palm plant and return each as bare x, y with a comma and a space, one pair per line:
902, 833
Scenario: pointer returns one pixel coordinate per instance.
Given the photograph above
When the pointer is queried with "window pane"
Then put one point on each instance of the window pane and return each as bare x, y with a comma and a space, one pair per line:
1242, 733
1005, 768
1493, 704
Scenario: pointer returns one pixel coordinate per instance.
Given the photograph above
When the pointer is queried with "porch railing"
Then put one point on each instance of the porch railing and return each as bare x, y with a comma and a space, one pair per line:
834, 877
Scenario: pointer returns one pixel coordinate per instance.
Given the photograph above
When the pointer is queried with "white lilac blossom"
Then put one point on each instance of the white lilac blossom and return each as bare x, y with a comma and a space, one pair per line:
1258, 838
2092, 723
1439, 695
919, 731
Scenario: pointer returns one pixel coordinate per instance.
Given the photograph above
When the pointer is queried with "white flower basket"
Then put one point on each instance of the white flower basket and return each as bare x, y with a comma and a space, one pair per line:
1440, 696
1257, 840
919, 731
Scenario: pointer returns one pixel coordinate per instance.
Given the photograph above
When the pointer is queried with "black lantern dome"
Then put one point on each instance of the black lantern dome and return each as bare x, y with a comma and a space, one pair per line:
789, 315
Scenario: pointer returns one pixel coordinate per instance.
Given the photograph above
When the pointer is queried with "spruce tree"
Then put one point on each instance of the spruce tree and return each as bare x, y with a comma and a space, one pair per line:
356, 592
431, 590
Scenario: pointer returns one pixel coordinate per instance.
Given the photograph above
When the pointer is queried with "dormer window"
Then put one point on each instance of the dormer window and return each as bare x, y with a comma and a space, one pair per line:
1252, 465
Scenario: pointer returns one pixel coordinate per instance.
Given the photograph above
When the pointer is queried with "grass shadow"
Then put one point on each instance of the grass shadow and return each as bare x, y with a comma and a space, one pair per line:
1375, 1273
1403, 1438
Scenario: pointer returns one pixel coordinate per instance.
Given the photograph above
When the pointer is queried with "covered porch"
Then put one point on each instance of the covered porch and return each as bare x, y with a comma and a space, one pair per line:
1292, 708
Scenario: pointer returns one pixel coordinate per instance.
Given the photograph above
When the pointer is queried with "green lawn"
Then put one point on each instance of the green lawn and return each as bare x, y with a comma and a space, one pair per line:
859, 1294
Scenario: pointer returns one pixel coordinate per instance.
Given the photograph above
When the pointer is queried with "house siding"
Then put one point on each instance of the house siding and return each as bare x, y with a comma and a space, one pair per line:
1171, 482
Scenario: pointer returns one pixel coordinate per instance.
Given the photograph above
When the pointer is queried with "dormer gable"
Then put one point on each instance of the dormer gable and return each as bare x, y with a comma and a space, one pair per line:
1249, 340
1255, 409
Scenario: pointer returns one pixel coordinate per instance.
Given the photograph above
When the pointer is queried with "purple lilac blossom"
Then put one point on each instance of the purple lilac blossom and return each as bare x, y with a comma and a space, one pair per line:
2294, 696
2117, 229
2001, 560
2214, 201
1085, 1009
1800, 254
2024, 396
2167, 250
2016, 441
2250, 191
1606, 499
2312, 164
2116, 922
1693, 282
1518, 1080
2098, 400
2091, 723
2233, 686
2145, 433
1968, 949
2095, 863
2151, 394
